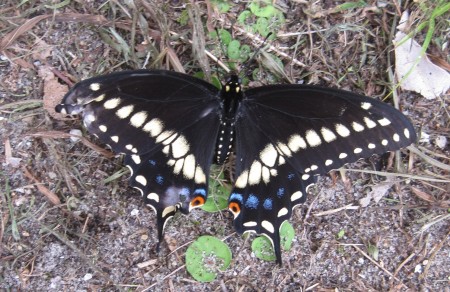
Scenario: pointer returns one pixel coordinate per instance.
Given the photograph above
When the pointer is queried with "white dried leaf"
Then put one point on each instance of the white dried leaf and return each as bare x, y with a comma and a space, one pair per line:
419, 73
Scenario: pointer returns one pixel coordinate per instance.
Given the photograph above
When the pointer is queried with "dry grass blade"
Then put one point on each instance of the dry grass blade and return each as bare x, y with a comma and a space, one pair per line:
12, 36
44, 190
198, 38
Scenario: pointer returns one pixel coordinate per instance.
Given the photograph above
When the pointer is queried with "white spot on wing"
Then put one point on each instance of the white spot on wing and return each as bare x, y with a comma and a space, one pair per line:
250, 224
189, 167
103, 128
295, 196
342, 155
342, 130
305, 176
115, 138
154, 127
327, 134
296, 142
369, 123
406, 133
366, 105
265, 174
138, 119
328, 162
141, 179
384, 122
283, 211
396, 137
357, 127
268, 155
180, 147
254, 176
112, 103
200, 176
384, 142
371, 146
241, 181
153, 196
357, 150
136, 159
268, 226
166, 137
125, 111
178, 166
94, 86
312, 138
284, 149
100, 98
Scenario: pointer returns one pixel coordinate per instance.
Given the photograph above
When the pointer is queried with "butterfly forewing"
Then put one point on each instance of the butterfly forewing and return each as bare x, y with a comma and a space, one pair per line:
295, 133
158, 119
133, 111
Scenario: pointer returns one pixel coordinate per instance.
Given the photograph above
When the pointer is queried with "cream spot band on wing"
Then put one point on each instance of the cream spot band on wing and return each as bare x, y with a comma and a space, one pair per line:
138, 119
124, 111
112, 103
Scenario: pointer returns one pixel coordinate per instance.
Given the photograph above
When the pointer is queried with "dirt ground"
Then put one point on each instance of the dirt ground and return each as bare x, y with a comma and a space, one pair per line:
69, 221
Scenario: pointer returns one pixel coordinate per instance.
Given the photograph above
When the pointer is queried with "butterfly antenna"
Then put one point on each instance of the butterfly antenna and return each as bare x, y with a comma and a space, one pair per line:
246, 67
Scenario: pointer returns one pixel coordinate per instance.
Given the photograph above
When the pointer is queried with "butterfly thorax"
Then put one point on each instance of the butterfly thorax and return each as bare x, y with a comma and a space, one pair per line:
231, 96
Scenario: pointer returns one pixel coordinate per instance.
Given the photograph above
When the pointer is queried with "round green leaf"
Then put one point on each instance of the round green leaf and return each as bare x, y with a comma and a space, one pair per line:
206, 257
262, 247
262, 26
233, 49
242, 18
263, 9
287, 234
222, 5
217, 199
245, 51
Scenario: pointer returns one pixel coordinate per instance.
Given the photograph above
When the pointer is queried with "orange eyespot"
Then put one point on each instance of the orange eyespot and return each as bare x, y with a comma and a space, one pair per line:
197, 202
234, 208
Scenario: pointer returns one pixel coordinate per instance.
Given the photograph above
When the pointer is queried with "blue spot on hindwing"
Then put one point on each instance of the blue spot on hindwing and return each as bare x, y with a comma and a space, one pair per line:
291, 176
268, 204
159, 179
200, 192
280, 192
152, 162
237, 197
252, 202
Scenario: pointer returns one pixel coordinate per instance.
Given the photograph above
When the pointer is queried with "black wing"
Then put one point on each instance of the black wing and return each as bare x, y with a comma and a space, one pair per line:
287, 134
165, 123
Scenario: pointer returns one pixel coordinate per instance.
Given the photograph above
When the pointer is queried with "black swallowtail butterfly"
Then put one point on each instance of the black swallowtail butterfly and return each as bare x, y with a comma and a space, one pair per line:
172, 127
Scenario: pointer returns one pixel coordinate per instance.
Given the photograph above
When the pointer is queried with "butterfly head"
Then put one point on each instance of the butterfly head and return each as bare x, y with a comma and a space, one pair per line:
233, 85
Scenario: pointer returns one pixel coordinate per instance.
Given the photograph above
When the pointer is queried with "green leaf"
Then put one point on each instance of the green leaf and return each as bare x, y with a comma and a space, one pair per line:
242, 18
262, 247
233, 50
340, 234
183, 19
351, 5
263, 9
206, 257
244, 53
222, 5
262, 26
218, 198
